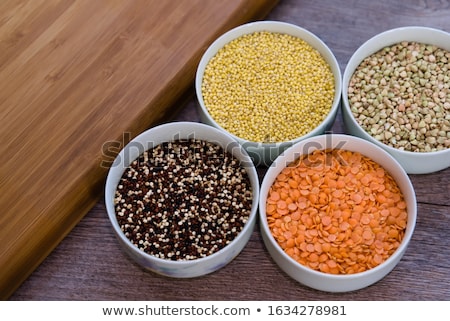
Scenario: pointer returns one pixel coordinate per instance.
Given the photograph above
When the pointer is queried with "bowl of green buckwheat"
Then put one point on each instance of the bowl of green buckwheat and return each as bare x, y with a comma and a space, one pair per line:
396, 94
182, 199
268, 84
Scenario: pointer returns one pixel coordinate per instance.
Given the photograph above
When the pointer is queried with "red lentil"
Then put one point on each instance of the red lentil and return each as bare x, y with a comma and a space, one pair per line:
345, 215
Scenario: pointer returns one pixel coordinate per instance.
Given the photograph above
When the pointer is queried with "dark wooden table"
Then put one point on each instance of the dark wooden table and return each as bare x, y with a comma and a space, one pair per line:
89, 264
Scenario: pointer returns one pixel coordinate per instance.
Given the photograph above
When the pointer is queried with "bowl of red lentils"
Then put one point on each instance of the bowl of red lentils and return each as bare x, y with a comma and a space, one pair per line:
182, 198
396, 94
268, 84
336, 212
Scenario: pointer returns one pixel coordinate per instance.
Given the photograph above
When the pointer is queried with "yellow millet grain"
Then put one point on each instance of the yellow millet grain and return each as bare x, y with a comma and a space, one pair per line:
268, 87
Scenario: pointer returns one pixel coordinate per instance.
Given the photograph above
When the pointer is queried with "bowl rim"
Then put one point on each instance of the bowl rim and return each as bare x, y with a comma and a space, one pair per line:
278, 165
348, 72
110, 188
268, 25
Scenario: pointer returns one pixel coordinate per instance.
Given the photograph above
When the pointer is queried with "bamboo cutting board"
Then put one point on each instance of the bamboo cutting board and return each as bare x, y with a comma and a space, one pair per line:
75, 77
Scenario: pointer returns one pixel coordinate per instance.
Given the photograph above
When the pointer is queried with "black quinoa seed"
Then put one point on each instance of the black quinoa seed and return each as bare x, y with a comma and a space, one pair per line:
183, 200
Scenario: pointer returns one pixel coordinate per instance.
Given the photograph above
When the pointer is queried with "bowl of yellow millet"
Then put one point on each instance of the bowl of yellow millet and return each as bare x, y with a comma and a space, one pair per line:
269, 84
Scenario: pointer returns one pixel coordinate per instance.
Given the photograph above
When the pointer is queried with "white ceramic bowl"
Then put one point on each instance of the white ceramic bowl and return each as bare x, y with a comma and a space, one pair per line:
170, 132
265, 153
324, 281
412, 162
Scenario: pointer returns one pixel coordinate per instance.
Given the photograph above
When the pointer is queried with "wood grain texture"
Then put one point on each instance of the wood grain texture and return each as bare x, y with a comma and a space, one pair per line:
75, 75
89, 264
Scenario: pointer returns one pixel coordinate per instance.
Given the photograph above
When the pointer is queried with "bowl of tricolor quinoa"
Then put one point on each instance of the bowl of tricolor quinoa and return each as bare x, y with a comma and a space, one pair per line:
396, 94
336, 212
268, 84
182, 199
